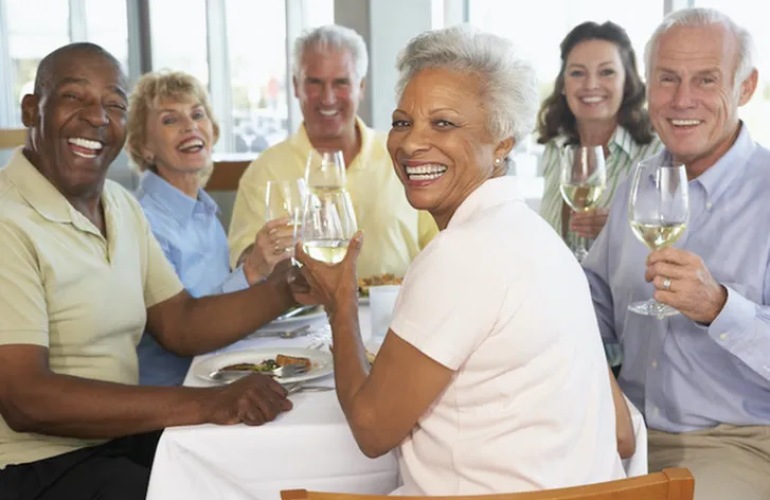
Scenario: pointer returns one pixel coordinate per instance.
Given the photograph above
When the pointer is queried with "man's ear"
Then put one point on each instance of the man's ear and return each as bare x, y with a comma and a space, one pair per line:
504, 147
295, 84
362, 88
30, 115
748, 86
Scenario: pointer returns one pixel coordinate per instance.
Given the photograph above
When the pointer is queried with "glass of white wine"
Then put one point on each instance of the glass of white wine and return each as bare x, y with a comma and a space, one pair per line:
328, 224
286, 199
658, 209
325, 170
582, 182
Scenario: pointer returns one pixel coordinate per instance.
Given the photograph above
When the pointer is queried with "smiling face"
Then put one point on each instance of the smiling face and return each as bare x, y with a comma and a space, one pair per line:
692, 98
440, 144
329, 93
78, 121
594, 78
179, 136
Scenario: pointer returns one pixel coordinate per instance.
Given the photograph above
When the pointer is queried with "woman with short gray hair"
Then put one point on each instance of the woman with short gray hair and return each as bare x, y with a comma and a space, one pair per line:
492, 376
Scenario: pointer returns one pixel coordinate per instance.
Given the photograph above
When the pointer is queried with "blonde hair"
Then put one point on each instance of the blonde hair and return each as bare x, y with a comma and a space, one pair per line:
147, 94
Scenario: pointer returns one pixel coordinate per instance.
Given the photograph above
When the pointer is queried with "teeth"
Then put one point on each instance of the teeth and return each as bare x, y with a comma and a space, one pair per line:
684, 123
591, 100
86, 143
328, 112
425, 172
191, 143
85, 155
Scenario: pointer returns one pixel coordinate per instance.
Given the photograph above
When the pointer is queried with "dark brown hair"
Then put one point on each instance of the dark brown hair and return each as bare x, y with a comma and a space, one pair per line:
555, 117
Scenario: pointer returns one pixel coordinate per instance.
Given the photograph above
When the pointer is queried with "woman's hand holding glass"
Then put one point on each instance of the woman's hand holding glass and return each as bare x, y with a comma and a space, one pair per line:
583, 179
658, 209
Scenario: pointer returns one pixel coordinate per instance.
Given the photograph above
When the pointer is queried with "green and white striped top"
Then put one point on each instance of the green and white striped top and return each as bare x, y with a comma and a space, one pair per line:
624, 153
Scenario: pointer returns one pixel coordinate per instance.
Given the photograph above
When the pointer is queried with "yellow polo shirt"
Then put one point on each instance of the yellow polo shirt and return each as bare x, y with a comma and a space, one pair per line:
394, 232
66, 287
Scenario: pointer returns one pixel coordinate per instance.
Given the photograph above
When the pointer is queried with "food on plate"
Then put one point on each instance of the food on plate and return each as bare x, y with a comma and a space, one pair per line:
283, 360
377, 280
268, 365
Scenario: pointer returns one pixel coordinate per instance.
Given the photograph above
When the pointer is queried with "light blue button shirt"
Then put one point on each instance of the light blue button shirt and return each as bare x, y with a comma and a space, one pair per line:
194, 242
683, 375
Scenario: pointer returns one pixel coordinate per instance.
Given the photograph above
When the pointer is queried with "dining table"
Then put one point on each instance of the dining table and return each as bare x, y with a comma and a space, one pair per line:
310, 446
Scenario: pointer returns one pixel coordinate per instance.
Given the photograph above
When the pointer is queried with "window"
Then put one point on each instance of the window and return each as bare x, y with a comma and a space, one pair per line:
755, 112
178, 32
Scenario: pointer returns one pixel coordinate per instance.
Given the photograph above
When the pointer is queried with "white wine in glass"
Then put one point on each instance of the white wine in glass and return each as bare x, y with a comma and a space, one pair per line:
582, 182
328, 224
658, 209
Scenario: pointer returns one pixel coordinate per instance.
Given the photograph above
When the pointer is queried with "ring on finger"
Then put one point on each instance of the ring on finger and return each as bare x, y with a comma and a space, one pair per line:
666, 284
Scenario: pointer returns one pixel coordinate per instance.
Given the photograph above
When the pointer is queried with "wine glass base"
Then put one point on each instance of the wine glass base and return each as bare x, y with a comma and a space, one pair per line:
652, 307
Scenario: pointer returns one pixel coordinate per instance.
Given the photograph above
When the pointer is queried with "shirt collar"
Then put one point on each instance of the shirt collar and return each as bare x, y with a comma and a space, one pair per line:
717, 178
301, 141
622, 140
492, 192
177, 204
37, 190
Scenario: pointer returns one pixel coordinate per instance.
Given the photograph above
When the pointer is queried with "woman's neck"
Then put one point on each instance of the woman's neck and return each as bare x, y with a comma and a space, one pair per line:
596, 133
186, 182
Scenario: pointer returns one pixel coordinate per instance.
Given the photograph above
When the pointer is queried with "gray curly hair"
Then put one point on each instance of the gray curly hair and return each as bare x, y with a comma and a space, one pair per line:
701, 17
332, 37
509, 82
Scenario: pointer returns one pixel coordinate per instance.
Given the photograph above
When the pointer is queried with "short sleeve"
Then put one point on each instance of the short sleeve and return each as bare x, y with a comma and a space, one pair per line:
447, 305
249, 209
23, 309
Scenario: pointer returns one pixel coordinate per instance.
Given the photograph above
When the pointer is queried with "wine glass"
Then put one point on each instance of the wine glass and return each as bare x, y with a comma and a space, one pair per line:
285, 199
328, 224
658, 212
325, 170
583, 179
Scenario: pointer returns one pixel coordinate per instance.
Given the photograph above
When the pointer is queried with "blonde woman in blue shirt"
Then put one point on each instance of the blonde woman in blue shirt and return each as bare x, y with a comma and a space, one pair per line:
171, 132
598, 99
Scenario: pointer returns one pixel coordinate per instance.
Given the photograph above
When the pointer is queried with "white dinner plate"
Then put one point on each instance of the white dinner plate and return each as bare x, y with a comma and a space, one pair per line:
321, 362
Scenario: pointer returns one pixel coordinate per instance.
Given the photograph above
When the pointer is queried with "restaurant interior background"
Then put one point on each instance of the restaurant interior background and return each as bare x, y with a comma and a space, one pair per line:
242, 49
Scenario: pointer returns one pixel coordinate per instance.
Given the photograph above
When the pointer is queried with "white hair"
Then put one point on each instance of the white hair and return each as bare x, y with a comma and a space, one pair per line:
509, 82
332, 37
702, 17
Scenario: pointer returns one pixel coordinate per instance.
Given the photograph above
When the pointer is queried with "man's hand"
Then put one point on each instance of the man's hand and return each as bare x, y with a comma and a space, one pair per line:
252, 400
684, 282
328, 284
272, 245
588, 224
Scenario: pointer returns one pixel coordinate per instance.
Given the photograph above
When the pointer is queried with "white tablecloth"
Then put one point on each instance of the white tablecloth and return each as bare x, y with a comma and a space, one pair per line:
308, 447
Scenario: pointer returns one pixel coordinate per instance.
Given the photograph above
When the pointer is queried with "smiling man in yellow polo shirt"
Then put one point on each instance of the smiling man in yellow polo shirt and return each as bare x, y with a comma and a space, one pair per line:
330, 66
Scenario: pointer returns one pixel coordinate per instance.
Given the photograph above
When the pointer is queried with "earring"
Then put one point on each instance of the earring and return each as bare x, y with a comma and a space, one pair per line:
498, 160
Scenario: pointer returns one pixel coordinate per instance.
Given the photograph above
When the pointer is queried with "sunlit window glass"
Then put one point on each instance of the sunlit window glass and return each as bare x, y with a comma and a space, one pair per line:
179, 34
38, 27
755, 113
106, 26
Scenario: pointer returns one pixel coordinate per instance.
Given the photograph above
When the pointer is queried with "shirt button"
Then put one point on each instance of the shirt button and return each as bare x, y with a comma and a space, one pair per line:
708, 205
654, 363
723, 336
656, 411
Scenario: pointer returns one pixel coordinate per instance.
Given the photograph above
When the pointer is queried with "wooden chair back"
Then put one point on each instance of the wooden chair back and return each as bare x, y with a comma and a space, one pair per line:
226, 175
12, 137
670, 484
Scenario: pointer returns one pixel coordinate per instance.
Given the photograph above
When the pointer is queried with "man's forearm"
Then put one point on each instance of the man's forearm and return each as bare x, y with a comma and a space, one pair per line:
195, 326
63, 405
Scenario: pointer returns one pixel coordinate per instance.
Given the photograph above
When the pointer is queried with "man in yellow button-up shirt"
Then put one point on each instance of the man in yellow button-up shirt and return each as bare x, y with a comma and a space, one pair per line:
330, 66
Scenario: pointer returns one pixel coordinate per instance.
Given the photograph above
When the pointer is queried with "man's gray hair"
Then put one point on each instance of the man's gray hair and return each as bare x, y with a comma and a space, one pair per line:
702, 17
509, 83
332, 37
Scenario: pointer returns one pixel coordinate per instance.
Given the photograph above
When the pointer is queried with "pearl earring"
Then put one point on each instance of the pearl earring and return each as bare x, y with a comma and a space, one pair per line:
497, 161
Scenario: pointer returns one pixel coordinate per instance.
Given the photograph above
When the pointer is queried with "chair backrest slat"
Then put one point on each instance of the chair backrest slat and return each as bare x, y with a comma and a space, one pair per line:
670, 484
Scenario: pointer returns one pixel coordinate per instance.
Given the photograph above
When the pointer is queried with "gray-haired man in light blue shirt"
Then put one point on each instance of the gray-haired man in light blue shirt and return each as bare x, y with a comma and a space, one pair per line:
702, 377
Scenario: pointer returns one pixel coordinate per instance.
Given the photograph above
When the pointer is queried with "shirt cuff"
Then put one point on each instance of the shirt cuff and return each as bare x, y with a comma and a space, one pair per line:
735, 318
236, 281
